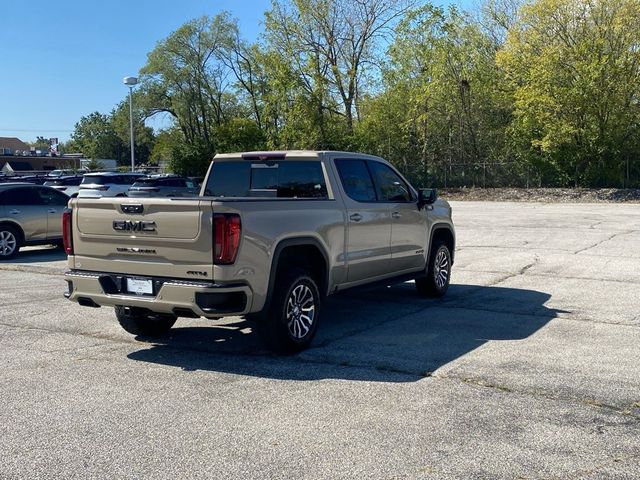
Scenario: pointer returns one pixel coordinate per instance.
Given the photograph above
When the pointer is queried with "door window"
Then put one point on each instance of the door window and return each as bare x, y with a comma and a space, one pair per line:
52, 197
356, 180
23, 196
390, 187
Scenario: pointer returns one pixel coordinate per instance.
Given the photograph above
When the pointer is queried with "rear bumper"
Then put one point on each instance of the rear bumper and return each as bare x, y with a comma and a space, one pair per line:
183, 298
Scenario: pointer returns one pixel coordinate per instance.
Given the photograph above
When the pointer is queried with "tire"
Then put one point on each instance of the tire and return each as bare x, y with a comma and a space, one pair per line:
9, 242
436, 281
144, 323
293, 315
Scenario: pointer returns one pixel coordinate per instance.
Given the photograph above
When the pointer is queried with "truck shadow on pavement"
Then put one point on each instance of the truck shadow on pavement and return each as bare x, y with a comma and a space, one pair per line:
384, 335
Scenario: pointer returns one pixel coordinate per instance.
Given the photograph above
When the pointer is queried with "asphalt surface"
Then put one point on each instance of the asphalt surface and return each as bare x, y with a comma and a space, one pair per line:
529, 368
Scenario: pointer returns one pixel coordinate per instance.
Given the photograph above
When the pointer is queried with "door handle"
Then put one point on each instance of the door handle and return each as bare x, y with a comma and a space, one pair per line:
51, 210
396, 215
14, 212
356, 217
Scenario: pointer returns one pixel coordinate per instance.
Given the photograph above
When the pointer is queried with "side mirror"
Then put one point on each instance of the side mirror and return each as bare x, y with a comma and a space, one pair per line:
426, 196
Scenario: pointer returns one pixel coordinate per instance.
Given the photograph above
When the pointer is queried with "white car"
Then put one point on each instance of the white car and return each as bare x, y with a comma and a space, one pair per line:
68, 185
107, 184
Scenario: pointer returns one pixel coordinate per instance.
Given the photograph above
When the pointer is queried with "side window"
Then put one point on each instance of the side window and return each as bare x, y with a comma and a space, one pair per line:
356, 180
390, 187
24, 196
53, 197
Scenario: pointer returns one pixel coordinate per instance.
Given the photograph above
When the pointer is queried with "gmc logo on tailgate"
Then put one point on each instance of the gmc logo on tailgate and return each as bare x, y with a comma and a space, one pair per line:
134, 226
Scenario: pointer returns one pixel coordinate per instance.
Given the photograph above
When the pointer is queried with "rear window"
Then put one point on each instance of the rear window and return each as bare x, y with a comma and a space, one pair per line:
98, 179
145, 182
283, 179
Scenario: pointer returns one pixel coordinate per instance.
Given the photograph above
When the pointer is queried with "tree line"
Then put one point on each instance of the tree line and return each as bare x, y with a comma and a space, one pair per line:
546, 90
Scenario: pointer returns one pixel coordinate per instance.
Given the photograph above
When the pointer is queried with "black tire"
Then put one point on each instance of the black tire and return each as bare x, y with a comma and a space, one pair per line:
434, 283
289, 326
142, 322
10, 242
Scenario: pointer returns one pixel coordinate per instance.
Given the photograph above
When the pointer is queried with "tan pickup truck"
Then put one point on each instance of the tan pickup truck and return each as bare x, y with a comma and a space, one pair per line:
269, 237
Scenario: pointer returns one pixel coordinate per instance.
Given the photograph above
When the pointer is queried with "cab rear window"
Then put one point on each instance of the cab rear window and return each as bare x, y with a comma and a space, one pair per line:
279, 179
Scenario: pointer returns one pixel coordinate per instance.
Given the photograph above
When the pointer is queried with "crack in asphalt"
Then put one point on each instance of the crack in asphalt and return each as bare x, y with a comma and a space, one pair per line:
553, 275
630, 410
522, 271
610, 237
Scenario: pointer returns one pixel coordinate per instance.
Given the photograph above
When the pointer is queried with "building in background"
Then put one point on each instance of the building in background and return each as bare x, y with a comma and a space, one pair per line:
17, 157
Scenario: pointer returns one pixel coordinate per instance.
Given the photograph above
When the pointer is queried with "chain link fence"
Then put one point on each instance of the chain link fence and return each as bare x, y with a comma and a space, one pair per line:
514, 174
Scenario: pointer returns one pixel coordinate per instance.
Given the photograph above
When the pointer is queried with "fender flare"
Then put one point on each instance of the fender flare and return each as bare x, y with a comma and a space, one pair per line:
294, 242
442, 226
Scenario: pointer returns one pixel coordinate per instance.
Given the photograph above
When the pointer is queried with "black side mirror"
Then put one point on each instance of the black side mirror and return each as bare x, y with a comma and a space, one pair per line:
426, 196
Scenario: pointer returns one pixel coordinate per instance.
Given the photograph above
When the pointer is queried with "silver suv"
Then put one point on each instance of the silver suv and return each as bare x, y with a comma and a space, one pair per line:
29, 215
107, 184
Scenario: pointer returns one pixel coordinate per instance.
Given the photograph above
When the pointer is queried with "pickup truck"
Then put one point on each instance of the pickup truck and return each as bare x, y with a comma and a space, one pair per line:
270, 235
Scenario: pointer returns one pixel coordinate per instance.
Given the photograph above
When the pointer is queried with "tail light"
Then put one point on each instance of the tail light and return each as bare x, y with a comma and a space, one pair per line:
226, 237
67, 238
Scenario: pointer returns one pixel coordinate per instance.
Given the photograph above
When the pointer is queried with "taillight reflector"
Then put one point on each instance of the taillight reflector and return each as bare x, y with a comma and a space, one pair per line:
226, 237
67, 237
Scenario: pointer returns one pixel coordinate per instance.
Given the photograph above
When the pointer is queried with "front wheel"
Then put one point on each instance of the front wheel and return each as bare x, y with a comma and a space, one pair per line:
436, 281
294, 314
138, 321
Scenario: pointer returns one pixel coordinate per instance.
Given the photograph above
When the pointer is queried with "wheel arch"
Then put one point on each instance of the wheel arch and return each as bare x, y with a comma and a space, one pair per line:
16, 226
310, 251
443, 231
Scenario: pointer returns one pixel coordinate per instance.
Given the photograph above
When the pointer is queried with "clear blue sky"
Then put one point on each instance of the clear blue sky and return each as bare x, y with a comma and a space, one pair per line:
61, 60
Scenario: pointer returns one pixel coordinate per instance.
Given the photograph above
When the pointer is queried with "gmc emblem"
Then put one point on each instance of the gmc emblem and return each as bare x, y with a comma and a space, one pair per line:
134, 226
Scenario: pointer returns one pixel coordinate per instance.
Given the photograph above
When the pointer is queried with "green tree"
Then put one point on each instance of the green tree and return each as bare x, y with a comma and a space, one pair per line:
96, 137
574, 70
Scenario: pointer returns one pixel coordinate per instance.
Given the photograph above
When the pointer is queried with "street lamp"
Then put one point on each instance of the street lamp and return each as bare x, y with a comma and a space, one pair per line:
131, 82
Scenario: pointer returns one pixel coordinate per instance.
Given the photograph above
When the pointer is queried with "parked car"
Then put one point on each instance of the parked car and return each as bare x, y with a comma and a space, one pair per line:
107, 184
69, 185
272, 235
163, 186
60, 173
29, 215
34, 179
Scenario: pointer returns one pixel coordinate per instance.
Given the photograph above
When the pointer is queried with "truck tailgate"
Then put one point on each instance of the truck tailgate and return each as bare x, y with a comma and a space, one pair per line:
148, 237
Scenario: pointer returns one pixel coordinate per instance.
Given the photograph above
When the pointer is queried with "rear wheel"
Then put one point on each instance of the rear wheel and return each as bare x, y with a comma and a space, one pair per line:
294, 313
139, 321
436, 281
9, 242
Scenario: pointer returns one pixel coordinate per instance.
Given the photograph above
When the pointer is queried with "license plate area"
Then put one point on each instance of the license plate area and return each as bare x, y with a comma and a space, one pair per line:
138, 286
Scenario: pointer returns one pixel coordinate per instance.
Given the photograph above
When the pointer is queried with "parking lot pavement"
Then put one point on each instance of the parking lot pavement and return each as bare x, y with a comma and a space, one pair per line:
528, 368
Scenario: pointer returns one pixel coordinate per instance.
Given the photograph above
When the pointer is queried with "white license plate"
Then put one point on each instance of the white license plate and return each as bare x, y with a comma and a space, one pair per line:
139, 287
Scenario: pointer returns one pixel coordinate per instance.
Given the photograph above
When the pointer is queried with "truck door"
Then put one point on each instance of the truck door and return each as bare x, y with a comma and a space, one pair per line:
408, 224
368, 222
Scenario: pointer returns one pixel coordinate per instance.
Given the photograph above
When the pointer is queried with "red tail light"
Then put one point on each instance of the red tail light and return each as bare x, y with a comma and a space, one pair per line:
226, 237
67, 237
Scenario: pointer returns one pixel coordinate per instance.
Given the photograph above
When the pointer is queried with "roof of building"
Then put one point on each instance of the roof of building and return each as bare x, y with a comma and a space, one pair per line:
13, 143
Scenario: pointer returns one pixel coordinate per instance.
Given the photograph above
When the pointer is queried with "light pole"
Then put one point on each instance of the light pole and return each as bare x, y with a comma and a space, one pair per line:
131, 82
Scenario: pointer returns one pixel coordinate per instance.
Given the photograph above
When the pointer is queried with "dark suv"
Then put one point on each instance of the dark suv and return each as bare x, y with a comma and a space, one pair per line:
163, 186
